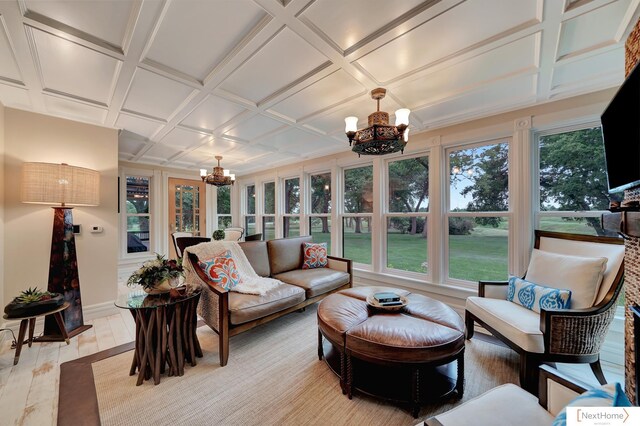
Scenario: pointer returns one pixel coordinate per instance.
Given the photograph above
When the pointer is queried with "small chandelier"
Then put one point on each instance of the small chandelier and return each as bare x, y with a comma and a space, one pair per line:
219, 176
379, 138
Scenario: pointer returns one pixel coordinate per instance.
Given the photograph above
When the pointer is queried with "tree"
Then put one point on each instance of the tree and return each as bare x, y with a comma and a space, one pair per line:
321, 197
572, 174
358, 192
409, 189
270, 198
224, 199
291, 200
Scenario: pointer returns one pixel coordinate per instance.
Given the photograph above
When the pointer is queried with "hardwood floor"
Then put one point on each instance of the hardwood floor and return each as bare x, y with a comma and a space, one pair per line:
29, 390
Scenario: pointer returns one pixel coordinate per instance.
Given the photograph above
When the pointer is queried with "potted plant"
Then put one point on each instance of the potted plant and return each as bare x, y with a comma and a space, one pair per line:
33, 302
218, 234
157, 276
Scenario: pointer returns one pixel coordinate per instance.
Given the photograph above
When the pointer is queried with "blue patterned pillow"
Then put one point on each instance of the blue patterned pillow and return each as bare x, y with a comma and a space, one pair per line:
535, 297
609, 395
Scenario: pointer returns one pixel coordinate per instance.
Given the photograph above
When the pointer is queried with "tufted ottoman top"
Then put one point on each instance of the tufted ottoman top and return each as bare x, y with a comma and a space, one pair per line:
426, 330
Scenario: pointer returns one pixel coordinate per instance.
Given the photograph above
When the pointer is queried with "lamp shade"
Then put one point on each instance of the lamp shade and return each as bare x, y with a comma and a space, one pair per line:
351, 124
48, 183
402, 116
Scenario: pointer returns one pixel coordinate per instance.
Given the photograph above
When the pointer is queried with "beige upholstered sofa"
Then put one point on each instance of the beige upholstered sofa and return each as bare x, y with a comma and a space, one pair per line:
229, 313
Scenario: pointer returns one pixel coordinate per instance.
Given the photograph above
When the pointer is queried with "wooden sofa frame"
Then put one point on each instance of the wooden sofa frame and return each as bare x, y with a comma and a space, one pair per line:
567, 346
226, 329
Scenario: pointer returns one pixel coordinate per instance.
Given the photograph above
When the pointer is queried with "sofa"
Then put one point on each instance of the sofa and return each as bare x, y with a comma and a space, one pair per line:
511, 405
229, 313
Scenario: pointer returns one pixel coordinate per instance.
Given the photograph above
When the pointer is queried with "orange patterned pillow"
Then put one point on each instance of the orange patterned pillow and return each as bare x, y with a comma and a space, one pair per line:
315, 255
221, 270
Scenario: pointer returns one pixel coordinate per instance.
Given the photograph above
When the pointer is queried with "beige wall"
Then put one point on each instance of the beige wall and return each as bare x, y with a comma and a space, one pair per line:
27, 227
2, 239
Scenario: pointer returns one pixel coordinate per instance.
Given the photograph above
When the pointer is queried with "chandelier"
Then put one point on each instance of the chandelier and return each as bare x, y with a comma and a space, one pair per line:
219, 176
379, 138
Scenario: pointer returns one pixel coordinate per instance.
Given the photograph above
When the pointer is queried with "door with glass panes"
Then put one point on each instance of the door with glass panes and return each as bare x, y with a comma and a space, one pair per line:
187, 208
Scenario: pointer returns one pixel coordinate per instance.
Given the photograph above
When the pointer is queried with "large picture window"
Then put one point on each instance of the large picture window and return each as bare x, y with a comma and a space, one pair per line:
138, 214
406, 217
320, 216
358, 209
223, 197
478, 214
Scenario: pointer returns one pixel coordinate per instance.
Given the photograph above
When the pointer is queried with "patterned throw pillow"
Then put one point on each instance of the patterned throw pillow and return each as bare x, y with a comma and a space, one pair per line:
221, 270
315, 255
536, 297
609, 395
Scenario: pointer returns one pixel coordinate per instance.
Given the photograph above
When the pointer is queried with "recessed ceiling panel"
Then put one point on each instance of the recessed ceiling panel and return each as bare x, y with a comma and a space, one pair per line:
212, 113
215, 147
608, 65
106, 20
321, 94
465, 25
516, 57
71, 69
500, 96
138, 125
183, 138
279, 63
247, 152
161, 151
154, 95
14, 97
593, 29
196, 35
254, 127
295, 139
8, 66
343, 23
74, 110
129, 144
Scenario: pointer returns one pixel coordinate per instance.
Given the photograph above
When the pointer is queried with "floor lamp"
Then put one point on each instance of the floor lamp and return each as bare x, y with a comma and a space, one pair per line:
64, 186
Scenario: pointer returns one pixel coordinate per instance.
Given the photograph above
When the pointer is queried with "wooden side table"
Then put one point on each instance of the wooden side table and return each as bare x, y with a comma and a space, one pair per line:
31, 320
165, 333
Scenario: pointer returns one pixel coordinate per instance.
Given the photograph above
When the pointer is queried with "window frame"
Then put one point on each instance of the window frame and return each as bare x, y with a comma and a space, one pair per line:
284, 213
124, 254
216, 215
245, 207
342, 214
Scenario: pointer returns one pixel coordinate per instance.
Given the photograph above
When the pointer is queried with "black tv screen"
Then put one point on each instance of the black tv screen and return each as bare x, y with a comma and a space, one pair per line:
621, 133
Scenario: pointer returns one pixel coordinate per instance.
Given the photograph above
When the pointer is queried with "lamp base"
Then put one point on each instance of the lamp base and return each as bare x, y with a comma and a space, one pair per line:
63, 276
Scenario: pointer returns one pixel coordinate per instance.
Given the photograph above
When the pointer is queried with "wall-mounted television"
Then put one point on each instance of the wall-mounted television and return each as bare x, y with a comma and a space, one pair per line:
621, 134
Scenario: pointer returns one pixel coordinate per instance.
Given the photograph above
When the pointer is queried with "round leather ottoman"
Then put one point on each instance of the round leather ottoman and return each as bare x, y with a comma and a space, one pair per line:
403, 356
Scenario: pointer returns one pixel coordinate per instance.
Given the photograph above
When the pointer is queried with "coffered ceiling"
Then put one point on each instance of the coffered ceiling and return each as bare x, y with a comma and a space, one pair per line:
269, 82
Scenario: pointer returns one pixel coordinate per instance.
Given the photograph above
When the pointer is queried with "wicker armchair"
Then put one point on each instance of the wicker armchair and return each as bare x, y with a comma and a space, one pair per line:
554, 335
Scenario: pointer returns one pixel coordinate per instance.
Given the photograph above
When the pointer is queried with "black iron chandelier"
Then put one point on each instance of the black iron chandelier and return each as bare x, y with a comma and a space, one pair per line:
379, 138
219, 176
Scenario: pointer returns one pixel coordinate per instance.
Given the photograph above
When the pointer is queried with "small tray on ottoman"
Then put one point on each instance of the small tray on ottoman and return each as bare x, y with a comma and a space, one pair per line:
371, 301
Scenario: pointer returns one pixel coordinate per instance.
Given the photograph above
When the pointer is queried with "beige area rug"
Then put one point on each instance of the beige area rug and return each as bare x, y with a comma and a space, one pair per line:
273, 377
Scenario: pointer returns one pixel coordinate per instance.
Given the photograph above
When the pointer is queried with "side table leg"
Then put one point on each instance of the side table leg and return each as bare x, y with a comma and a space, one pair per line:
349, 383
460, 380
32, 326
21, 333
63, 329
343, 375
320, 351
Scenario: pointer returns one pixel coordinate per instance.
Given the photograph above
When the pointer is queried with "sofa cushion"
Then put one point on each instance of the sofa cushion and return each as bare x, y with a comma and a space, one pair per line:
516, 323
504, 405
247, 307
285, 254
581, 275
537, 297
315, 281
258, 256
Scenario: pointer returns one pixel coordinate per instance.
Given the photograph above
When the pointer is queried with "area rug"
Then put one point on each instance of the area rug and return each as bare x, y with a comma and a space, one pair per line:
273, 377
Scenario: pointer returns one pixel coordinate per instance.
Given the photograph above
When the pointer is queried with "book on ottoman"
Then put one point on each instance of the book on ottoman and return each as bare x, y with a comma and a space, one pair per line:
386, 297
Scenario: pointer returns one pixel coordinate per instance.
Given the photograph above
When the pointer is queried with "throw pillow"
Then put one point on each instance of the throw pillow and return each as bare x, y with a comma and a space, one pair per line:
609, 395
581, 275
315, 255
536, 297
222, 270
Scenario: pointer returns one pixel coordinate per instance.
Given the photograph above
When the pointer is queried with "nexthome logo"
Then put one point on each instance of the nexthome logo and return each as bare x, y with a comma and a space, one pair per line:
602, 416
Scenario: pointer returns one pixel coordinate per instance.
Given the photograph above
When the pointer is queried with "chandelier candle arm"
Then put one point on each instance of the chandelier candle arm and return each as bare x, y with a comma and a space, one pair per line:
379, 137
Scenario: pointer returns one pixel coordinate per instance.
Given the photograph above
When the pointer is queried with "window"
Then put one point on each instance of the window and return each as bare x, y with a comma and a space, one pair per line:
138, 216
320, 216
291, 217
223, 206
573, 183
269, 218
478, 216
250, 210
406, 217
358, 209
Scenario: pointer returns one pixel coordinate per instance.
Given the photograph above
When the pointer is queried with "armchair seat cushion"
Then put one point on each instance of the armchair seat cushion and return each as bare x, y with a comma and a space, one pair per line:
315, 281
518, 324
504, 405
248, 307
